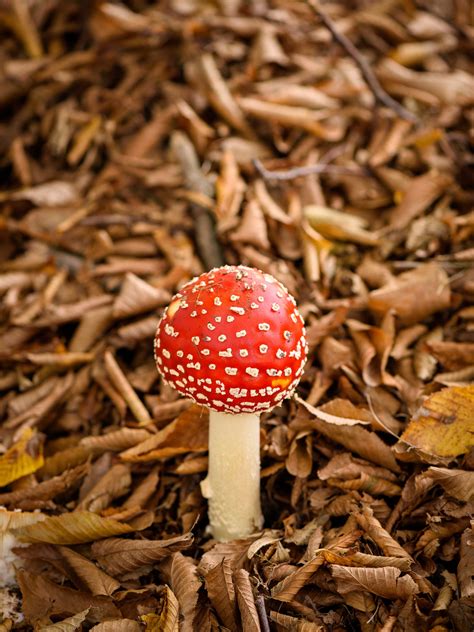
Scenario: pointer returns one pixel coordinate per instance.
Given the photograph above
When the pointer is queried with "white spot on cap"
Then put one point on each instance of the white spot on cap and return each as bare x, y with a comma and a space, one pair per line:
218, 319
217, 301
230, 370
252, 371
211, 326
226, 354
263, 348
260, 299
254, 305
217, 403
293, 317
275, 307
222, 338
205, 352
193, 314
195, 340
230, 319
280, 353
287, 371
166, 354
264, 326
287, 335
212, 367
241, 333
243, 353
180, 353
234, 297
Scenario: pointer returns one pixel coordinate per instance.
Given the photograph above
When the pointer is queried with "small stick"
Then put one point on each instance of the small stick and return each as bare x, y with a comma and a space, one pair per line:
371, 80
206, 237
119, 380
308, 170
262, 614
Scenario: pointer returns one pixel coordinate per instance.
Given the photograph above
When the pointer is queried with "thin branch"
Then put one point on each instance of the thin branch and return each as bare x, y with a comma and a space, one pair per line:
262, 614
308, 170
371, 80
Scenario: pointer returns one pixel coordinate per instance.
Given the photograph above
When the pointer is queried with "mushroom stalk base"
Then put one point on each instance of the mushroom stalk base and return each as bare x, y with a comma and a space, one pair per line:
233, 482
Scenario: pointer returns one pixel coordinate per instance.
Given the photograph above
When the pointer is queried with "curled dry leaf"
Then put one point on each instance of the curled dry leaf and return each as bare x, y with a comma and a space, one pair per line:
137, 296
185, 584
42, 597
71, 624
115, 483
466, 564
413, 295
246, 601
119, 556
441, 428
457, 483
86, 575
117, 625
117, 440
22, 458
168, 619
384, 582
334, 224
71, 528
220, 589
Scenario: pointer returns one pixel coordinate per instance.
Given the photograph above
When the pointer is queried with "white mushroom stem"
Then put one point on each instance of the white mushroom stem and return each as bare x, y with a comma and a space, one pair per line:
233, 482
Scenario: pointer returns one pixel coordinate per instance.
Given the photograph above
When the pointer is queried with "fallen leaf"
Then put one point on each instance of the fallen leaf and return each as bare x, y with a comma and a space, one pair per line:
442, 426
168, 620
385, 582
22, 458
220, 589
117, 625
71, 528
246, 601
68, 625
456, 482
185, 584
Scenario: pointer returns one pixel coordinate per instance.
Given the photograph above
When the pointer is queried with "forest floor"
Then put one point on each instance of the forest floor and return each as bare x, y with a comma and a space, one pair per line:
142, 143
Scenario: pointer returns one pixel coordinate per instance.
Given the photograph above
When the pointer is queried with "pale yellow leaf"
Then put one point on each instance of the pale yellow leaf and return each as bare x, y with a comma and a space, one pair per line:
24, 457
71, 624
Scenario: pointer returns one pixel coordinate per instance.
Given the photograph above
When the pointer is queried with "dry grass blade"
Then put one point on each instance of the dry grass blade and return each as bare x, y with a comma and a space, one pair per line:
185, 584
71, 528
385, 582
221, 593
246, 602
118, 556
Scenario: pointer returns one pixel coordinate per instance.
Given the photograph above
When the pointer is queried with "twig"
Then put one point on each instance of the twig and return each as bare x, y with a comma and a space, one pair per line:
262, 614
119, 380
371, 80
308, 170
205, 232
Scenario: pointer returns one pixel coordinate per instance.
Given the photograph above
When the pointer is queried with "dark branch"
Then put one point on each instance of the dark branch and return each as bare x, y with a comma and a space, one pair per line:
371, 80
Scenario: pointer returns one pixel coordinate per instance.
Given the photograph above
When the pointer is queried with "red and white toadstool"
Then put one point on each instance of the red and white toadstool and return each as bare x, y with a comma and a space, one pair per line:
233, 340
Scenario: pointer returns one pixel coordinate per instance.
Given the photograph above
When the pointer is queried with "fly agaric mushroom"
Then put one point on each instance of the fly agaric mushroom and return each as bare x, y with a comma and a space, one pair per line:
233, 340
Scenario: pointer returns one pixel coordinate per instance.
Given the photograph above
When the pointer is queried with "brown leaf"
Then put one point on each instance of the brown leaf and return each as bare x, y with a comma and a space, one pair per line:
115, 483
289, 587
442, 426
137, 296
117, 625
185, 586
379, 535
87, 575
71, 528
457, 483
117, 440
413, 295
168, 620
67, 625
42, 597
119, 556
187, 433
221, 593
466, 564
385, 582
246, 601
299, 461
340, 412
452, 355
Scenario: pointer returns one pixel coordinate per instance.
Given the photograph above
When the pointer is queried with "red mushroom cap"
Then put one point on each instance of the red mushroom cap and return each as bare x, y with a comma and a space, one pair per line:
233, 340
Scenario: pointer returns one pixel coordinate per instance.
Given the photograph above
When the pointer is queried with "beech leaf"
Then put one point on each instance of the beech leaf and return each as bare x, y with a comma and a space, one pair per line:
24, 457
68, 625
385, 582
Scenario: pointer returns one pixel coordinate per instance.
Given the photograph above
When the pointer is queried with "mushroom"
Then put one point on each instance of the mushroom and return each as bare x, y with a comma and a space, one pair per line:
233, 340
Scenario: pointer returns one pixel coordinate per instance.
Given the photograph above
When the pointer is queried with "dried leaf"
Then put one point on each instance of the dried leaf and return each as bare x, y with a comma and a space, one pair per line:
442, 426
119, 556
42, 597
24, 457
117, 440
87, 575
71, 624
137, 296
221, 593
413, 295
246, 601
185, 586
465, 566
457, 483
168, 620
71, 528
288, 588
115, 483
385, 582
117, 625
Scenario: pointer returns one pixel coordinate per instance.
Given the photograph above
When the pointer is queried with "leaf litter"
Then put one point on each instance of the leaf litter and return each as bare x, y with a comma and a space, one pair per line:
325, 143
